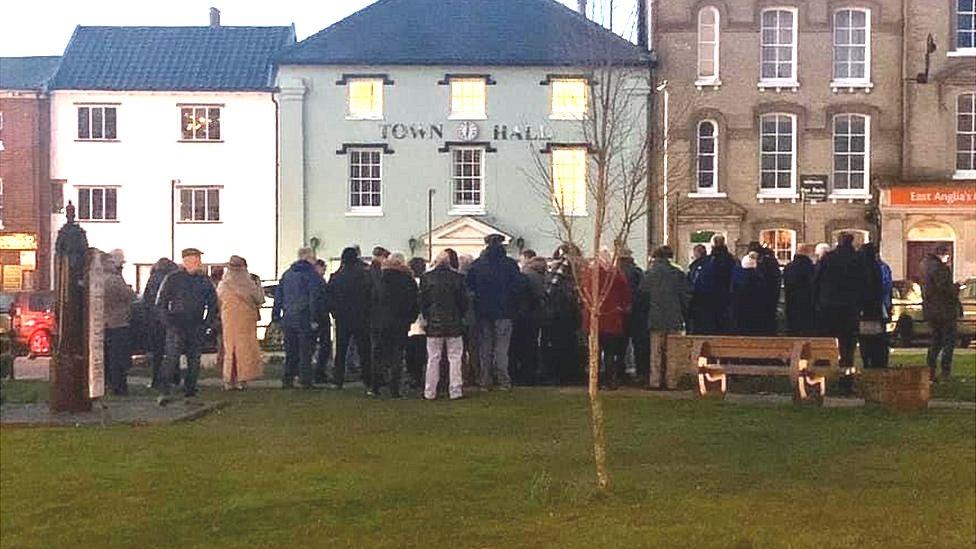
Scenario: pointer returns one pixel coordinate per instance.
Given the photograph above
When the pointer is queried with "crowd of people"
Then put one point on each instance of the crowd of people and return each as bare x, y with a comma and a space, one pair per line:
492, 321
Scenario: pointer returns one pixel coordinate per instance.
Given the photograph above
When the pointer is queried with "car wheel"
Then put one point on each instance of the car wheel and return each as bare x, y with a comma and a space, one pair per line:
904, 332
39, 343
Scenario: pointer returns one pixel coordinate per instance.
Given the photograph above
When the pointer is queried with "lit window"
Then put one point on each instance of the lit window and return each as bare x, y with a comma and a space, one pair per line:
468, 97
781, 241
852, 156
778, 57
569, 180
708, 30
468, 179
707, 156
966, 136
200, 123
778, 156
852, 46
97, 204
366, 98
96, 123
199, 204
568, 98
365, 178
965, 24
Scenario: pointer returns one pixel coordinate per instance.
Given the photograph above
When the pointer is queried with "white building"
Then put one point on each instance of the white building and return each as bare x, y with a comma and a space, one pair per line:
166, 138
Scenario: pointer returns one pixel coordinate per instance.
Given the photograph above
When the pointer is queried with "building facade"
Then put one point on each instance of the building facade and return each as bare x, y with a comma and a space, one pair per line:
933, 202
784, 119
465, 124
165, 138
25, 192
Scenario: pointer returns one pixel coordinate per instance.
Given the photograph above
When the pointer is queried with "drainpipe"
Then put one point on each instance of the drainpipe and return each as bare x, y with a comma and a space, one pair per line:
277, 178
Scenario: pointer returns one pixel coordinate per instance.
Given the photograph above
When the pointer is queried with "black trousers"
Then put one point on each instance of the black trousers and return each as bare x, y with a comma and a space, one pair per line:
323, 356
874, 350
944, 343
156, 343
344, 336
840, 322
562, 353
393, 344
614, 351
298, 357
118, 359
641, 340
524, 364
416, 359
182, 340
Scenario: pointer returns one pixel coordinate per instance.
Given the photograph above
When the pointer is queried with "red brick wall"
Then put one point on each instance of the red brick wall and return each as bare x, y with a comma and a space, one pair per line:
24, 169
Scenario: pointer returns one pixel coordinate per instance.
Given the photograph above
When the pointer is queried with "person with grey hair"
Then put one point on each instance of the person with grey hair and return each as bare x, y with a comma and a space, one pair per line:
118, 299
820, 251
397, 302
443, 304
295, 306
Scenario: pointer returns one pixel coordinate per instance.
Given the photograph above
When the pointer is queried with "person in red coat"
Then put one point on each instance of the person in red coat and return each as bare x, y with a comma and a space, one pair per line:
613, 317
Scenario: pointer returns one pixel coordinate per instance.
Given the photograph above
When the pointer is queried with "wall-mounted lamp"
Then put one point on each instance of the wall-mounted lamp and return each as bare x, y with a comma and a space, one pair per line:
520, 243
413, 245
314, 243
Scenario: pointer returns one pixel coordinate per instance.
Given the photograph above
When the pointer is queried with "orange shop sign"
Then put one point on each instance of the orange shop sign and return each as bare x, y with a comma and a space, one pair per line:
933, 196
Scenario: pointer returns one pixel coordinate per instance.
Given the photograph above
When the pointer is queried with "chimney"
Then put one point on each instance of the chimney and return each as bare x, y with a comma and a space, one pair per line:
642, 20
214, 18
581, 7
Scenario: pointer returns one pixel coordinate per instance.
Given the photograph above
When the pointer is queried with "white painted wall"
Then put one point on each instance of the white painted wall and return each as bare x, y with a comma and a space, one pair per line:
148, 156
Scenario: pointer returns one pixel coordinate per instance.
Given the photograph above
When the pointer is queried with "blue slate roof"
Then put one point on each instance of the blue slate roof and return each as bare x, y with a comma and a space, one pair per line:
171, 58
26, 73
464, 32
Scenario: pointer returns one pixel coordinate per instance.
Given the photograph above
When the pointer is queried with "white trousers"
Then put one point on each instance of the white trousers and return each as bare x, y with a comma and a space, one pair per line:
435, 352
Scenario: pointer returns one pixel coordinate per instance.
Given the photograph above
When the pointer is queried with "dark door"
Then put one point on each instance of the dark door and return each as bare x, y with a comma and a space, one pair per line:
917, 251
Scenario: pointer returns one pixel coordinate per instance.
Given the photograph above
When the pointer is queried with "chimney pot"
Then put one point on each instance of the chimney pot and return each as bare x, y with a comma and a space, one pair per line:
214, 18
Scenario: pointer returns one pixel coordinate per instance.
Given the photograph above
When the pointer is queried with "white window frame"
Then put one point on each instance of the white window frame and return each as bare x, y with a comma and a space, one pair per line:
714, 79
779, 82
579, 203
566, 114
847, 193
467, 209
480, 113
713, 191
376, 85
849, 82
91, 189
957, 133
193, 190
956, 50
90, 108
363, 210
202, 134
777, 192
776, 251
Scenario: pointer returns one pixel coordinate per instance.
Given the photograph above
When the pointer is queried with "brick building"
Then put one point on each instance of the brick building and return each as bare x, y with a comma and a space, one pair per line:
767, 100
25, 191
934, 200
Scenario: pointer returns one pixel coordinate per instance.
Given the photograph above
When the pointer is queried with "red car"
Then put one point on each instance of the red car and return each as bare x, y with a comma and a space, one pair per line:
32, 321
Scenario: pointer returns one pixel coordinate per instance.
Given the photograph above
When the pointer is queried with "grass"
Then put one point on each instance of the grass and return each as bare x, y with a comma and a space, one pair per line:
318, 469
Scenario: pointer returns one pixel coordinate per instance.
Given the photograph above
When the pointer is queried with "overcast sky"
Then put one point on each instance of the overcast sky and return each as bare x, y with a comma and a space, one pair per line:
42, 27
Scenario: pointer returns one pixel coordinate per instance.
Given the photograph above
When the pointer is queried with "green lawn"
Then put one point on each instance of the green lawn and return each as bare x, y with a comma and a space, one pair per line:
293, 468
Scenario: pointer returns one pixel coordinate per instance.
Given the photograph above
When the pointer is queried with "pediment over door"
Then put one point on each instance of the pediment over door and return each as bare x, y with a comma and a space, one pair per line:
463, 235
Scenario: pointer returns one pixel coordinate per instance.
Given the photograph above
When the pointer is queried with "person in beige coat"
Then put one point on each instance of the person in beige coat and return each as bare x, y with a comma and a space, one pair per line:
240, 302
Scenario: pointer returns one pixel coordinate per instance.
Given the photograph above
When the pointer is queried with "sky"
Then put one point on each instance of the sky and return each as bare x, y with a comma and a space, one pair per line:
43, 27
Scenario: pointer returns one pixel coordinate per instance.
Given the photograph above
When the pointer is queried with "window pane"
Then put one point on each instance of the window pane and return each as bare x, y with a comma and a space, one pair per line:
213, 130
468, 97
199, 205
110, 123
98, 204
186, 123
84, 204
84, 121
213, 205
366, 98
186, 205
569, 180
110, 204
96, 125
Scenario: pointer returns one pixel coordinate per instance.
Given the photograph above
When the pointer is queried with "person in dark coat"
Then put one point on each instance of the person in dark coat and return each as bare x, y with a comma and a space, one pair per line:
639, 338
443, 303
525, 344
350, 298
375, 269
837, 285
798, 285
295, 308
323, 334
188, 301
561, 322
747, 292
768, 267
941, 307
398, 310
872, 334
495, 282
417, 336
712, 291
667, 297
155, 328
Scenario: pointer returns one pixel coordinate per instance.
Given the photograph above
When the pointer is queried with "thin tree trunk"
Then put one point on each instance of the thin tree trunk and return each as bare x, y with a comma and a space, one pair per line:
596, 402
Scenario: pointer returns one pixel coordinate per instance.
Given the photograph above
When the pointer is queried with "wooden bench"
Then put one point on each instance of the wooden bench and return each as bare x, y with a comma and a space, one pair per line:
808, 361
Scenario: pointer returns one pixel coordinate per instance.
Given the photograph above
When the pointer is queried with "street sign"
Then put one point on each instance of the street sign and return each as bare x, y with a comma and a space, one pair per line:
813, 188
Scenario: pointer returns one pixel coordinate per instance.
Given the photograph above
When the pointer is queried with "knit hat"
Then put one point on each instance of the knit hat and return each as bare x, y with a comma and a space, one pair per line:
349, 255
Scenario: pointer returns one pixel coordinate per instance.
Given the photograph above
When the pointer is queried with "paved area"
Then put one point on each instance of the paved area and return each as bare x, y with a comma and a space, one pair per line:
128, 411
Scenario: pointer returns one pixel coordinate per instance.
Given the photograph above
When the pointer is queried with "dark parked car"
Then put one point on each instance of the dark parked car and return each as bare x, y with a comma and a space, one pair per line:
908, 323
